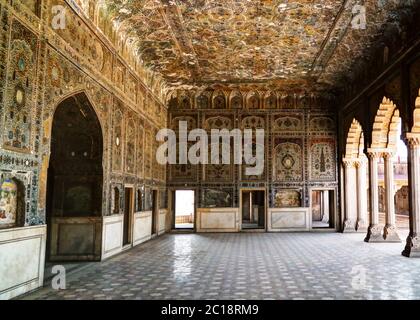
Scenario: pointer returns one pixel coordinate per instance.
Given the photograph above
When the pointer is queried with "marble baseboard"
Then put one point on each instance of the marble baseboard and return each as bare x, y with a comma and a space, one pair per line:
112, 235
218, 220
289, 219
142, 230
22, 260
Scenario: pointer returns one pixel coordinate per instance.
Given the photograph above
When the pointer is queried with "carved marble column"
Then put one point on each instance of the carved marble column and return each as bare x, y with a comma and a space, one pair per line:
412, 248
350, 196
374, 233
390, 230
362, 218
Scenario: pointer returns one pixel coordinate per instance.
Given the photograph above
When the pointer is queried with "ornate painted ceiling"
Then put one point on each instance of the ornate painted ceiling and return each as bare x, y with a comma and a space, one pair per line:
282, 43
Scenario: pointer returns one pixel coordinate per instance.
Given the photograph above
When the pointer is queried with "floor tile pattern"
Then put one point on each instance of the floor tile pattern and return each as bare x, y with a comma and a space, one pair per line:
248, 266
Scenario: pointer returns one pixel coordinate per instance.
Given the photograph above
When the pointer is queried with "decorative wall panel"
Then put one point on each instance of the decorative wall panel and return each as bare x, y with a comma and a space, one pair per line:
288, 156
287, 199
216, 198
323, 159
20, 91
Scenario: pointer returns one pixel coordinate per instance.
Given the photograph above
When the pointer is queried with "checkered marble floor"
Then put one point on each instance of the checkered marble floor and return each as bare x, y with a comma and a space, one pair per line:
248, 266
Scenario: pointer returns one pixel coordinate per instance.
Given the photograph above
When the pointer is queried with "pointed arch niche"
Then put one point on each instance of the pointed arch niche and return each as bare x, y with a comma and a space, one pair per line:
75, 182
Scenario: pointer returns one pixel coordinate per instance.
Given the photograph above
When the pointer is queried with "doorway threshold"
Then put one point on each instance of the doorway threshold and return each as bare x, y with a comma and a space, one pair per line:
182, 231
253, 230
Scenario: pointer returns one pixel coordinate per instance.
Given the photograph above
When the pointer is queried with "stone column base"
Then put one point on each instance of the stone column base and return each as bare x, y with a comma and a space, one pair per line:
349, 226
391, 234
374, 234
412, 248
361, 226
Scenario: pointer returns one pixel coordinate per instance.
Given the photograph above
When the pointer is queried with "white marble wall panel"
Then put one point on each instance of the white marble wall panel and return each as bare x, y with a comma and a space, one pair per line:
22, 260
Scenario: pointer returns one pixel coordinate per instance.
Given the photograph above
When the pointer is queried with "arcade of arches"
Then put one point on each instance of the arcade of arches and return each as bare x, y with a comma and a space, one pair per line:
85, 86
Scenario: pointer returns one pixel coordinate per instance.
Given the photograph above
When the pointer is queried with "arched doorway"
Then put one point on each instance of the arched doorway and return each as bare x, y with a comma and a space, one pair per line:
355, 177
75, 178
386, 162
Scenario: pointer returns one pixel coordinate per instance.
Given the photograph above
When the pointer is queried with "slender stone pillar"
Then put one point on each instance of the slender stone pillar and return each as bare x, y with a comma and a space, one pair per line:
362, 218
350, 196
412, 248
374, 233
390, 229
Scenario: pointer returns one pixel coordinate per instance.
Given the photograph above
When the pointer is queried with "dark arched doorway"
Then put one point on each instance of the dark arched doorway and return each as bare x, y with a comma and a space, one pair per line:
75, 178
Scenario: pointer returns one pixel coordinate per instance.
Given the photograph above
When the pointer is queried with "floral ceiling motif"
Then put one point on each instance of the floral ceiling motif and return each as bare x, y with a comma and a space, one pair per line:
193, 43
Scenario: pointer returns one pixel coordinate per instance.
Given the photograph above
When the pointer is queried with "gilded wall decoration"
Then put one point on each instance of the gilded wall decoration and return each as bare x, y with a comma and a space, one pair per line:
191, 122
117, 138
288, 124
148, 157
119, 74
163, 199
287, 161
287, 199
130, 152
140, 152
20, 91
321, 124
253, 101
203, 101
244, 176
253, 122
45, 71
270, 101
218, 122
218, 172
131, 86
8, 203
82, 40
219, 101
183, 172
217, 41
148, 199
236, 100
33, 6
287, 165
216, 198
322, 159
18, 191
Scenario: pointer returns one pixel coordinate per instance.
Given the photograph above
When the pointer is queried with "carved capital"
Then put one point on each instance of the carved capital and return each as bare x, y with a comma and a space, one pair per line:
413, 140
360, 163
349, 163
374, 154
387, 155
